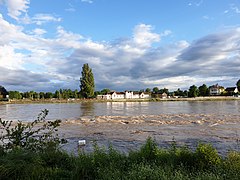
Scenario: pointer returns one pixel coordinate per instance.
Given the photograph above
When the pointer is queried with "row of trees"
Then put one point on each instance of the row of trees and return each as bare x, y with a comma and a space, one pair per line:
193, 91
59, 94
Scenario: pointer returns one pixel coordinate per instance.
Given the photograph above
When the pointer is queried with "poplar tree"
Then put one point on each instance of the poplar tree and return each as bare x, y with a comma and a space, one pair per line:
87, 84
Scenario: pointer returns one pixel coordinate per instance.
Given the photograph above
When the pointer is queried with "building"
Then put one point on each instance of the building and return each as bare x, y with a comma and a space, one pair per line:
163, 95
215, 90
124, 95
231, 90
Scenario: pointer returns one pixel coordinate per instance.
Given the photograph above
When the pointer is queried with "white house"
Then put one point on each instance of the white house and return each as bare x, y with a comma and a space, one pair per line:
124, 95
215, 90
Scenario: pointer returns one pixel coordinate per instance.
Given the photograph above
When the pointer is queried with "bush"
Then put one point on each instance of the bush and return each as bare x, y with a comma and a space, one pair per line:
148, 152
206, 156
38, 135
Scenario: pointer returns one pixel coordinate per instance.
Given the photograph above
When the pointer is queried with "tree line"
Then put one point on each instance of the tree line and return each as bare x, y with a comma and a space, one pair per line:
58, 94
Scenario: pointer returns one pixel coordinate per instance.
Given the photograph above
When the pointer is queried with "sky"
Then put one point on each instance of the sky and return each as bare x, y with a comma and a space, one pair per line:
129, 44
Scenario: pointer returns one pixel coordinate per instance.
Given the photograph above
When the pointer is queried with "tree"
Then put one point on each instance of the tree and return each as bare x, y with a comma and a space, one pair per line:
164, 90
57, 94
48, 95
193, 91
203, 90
75, 93
179, 92
87, 84
238, 85
15, 95
155, 90
148, 90
105, 91
41, 95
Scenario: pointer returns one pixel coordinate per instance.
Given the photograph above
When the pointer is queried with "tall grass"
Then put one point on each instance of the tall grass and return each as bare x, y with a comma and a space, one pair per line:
149, 162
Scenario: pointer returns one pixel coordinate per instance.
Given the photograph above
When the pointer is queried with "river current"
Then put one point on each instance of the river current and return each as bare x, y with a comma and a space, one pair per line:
70, 111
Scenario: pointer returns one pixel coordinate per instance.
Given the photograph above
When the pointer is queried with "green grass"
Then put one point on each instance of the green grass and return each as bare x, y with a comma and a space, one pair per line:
149, 162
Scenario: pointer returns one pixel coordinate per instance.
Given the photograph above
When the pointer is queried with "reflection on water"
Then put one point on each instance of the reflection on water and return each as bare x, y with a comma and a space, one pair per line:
87, 109
29, 112
127, 108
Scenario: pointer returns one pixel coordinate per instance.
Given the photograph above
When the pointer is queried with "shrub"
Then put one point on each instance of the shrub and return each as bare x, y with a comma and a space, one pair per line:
38, 135
206, 156
148, 152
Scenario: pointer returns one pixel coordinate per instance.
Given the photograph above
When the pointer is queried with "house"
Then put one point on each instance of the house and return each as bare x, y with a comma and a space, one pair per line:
160, 95
124, 95
216, 90
163, 95
117, 95
231, 90
3, 93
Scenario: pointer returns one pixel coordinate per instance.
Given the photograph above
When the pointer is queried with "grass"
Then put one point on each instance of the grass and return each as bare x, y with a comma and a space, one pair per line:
149, 162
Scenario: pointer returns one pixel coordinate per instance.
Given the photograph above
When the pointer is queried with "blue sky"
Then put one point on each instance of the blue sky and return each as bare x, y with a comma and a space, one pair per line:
130, 44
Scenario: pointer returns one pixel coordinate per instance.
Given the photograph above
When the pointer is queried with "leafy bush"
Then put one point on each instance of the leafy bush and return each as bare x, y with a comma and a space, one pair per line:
37, 135
148, 152
206, 156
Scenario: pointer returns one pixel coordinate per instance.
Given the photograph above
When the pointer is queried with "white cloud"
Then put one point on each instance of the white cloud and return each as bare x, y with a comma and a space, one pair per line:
70, 8
16, 7
39, 32
87, 1
235, 8
40, 19
199, 3
67, 39
9, 58
206, 17
226, 11
143, 37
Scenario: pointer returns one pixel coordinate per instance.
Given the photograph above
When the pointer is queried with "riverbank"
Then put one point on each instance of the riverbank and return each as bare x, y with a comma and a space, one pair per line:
46, 101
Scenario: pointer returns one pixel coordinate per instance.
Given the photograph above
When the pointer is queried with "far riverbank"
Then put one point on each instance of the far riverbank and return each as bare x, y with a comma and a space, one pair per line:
72, 100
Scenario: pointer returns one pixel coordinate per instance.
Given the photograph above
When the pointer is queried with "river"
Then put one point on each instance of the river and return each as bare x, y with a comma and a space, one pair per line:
64, 111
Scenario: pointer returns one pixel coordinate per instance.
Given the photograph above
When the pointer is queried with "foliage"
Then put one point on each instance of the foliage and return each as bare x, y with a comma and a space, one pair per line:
105, 91
149, 162
207, 156
203, 90
15, 95
148, 90
87, 84
155, 90
164, 90
37, 135
193, 91
59, 94
179, 92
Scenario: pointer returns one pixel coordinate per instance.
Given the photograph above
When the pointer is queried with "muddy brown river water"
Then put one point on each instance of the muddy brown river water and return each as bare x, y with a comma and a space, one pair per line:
126, 125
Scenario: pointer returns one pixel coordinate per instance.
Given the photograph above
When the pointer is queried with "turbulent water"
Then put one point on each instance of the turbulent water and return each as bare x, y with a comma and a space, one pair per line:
126, 125
28, 112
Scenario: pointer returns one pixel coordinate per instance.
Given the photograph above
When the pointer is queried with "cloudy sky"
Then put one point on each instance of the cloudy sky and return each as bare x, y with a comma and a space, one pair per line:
129, 44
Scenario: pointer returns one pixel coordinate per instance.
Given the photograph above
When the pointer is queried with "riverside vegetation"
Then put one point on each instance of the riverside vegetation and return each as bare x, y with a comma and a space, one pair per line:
32, 151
